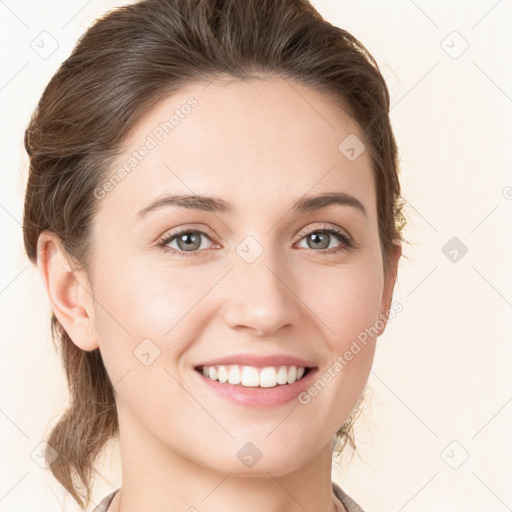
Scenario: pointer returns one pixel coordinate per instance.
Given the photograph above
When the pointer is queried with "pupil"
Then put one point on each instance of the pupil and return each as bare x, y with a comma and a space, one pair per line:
319, 238
192, 242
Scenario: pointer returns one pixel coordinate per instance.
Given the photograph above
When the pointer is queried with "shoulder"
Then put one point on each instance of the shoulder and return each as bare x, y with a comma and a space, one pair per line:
105, 502
347, 501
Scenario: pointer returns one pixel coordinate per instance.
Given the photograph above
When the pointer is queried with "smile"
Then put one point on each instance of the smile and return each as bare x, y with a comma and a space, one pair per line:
250, 376
255, 387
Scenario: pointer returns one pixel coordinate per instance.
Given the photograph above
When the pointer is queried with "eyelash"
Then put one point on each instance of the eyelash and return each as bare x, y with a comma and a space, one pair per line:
346, 241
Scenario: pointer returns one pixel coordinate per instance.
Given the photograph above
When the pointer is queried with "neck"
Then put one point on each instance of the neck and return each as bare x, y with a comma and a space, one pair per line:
156, 477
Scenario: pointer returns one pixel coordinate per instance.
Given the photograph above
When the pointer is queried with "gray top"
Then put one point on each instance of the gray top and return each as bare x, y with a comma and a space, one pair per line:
347, 501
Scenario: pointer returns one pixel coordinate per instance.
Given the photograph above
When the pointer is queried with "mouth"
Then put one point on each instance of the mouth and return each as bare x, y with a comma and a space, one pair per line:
244, 376
256, 387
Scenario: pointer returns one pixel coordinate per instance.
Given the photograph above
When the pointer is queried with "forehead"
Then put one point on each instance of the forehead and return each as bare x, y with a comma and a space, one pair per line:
271, 140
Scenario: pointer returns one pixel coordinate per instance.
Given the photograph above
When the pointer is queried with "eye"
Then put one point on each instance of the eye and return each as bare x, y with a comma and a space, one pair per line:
187, 241
321, 238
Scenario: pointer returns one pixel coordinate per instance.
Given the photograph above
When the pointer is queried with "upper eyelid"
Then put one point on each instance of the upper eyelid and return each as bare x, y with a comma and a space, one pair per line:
209, 232
327, 227
175, 232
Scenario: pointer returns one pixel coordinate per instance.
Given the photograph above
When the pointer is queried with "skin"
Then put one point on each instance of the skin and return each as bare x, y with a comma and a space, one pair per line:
259, 144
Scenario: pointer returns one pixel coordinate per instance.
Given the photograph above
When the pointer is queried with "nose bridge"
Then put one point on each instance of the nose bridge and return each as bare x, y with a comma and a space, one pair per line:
259, 294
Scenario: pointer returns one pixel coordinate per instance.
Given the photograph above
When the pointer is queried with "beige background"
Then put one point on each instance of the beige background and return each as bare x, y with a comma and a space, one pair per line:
436, 435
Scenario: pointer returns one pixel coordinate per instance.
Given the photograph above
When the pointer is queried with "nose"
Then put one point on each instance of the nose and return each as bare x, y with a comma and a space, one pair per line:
260, 298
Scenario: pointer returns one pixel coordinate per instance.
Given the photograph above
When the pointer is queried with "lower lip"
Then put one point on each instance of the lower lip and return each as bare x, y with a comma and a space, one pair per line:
258, 396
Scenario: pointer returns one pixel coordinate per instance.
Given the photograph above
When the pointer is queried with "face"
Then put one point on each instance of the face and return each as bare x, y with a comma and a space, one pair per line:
178, 286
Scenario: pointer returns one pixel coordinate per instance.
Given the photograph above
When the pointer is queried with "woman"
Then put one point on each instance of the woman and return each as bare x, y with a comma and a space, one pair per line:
214, 209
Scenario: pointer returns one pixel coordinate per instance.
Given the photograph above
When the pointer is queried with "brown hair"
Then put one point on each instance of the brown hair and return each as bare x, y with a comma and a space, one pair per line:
124, 64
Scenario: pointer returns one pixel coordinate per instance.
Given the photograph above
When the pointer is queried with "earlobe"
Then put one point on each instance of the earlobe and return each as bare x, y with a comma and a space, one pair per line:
68, 291
389, 285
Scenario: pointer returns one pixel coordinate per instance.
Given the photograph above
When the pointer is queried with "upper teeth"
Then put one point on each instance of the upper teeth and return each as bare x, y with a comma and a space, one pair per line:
267, 377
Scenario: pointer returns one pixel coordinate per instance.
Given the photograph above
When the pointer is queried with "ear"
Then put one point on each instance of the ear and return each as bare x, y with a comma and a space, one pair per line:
69, 291
389, 285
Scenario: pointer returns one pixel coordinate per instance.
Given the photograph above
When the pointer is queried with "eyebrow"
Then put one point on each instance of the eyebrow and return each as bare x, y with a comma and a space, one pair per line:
216, 204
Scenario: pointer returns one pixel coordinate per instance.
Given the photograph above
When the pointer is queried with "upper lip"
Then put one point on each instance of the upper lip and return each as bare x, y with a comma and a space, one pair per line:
258, 361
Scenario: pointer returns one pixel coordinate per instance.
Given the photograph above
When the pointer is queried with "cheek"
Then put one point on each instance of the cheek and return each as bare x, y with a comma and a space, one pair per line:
145, 322
141, 302
346, 300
